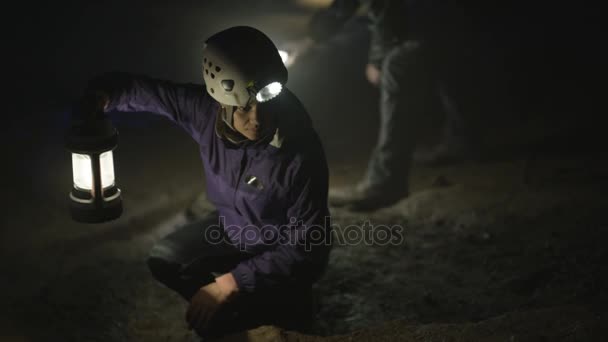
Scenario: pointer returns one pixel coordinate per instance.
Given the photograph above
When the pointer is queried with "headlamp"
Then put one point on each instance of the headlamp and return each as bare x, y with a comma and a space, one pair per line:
269, 92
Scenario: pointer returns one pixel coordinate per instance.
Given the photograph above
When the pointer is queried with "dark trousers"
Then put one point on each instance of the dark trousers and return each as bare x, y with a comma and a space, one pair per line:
411, 96
193, 255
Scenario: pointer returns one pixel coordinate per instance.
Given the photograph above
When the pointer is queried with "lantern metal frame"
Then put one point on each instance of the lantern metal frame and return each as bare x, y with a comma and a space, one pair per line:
93, 136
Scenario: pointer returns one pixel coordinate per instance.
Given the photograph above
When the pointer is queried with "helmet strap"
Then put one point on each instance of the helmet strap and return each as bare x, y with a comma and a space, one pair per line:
228, 115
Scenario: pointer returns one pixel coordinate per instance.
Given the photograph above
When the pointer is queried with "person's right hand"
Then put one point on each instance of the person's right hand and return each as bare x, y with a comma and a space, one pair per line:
103, 100
104, 87
94, 102
373, 74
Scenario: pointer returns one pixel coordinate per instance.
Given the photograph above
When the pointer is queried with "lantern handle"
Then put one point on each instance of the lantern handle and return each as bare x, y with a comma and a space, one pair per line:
90, 107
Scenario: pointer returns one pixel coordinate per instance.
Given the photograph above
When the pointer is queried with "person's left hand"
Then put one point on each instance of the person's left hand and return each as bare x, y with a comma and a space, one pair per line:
209, 298
372, 73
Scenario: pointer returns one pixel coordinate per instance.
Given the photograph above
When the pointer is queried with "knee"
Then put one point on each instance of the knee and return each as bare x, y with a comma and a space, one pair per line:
161, 264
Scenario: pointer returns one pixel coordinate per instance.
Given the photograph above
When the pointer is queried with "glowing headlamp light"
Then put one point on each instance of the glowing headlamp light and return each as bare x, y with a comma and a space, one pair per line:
269, 92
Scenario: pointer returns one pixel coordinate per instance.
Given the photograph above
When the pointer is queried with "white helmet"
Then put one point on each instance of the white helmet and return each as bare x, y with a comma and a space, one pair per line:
241, 63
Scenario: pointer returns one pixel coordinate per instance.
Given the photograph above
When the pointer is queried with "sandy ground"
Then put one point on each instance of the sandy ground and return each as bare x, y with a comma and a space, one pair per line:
510, 248
493, 238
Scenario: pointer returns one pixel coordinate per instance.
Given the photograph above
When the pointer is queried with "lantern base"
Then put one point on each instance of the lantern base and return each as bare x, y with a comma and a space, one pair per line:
89, 213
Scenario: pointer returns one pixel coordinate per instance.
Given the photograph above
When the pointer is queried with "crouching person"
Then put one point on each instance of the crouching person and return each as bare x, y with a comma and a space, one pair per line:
254, 260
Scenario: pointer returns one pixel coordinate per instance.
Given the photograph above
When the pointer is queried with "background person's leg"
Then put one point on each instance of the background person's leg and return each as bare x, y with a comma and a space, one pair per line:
458, 140
186, 259
406, 102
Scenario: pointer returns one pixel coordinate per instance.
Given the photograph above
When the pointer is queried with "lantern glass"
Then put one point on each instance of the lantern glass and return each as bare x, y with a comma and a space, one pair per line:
82, 171
106, 163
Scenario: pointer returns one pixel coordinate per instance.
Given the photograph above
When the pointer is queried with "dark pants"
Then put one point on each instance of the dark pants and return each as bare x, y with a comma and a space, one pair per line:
186, 260
411, 96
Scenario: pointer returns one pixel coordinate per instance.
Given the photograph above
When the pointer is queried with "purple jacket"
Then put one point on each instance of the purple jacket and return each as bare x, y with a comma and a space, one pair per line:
277, 195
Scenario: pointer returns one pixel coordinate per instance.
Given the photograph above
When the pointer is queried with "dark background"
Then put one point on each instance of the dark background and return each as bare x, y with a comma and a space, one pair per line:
527, 76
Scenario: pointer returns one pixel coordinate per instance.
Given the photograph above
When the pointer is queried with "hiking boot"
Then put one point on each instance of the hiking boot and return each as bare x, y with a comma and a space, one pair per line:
363, 198
443, 154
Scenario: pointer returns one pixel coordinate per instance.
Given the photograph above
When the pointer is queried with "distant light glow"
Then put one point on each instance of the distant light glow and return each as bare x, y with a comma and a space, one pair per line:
284, 56
269, 92
314, 4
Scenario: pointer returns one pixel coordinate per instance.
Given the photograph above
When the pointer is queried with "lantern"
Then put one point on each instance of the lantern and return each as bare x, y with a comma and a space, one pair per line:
94, 198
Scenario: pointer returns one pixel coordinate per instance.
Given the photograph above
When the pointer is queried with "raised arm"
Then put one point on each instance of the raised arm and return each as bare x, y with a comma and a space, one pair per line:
188, 105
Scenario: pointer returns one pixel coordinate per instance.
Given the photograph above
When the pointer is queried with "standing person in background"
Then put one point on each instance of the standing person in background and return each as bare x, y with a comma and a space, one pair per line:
403, 64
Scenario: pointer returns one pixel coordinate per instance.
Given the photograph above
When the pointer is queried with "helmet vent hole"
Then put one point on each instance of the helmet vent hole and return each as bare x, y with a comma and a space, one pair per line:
205, 60
217, 69
212, 75
228, 85
207, 71
210, 64
212, 91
